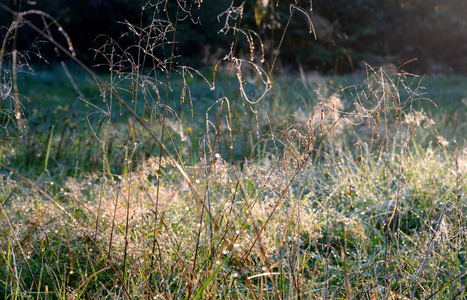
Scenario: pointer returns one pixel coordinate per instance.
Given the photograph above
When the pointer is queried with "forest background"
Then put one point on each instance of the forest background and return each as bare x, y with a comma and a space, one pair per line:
348, 32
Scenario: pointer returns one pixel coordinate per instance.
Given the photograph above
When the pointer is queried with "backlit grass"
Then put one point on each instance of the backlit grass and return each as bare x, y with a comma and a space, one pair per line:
169, 183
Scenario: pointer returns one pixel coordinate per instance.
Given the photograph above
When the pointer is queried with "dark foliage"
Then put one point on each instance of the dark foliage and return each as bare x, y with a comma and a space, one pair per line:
348, 32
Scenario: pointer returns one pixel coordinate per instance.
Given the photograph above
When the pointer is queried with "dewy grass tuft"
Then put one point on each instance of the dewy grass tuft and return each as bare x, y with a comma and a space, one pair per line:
233, 181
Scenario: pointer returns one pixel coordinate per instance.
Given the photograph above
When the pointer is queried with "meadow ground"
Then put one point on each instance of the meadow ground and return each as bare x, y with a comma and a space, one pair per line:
329, 187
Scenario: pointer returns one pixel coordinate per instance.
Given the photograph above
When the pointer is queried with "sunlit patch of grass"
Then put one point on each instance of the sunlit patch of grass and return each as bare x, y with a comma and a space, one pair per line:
247, 186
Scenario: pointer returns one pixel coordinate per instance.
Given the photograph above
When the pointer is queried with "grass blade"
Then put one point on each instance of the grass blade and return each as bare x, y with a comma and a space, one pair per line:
48, 148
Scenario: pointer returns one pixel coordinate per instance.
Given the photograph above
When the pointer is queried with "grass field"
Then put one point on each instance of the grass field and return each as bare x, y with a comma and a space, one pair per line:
330, 187
152, 180
50, 101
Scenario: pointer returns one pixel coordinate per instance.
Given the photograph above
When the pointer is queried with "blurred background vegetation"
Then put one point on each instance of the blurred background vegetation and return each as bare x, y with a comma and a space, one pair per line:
348, 32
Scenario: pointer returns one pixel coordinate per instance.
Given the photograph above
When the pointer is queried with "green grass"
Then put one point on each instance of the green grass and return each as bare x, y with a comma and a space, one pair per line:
50, 100
150, 184
332, 209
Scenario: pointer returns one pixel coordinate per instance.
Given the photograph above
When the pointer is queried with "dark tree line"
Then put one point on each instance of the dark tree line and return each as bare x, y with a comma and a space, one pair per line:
348, 32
